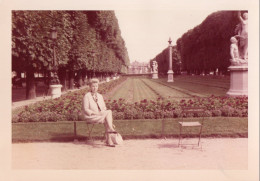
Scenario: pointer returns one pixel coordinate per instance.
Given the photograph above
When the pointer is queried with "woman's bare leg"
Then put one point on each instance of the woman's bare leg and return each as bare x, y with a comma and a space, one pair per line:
109, 127
109, 121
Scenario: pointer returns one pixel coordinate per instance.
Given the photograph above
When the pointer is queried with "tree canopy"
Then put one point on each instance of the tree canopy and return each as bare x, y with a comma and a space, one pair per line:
206, 47
79, 34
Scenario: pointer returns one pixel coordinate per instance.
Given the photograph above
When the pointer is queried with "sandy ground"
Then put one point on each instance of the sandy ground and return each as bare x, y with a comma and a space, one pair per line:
225, 153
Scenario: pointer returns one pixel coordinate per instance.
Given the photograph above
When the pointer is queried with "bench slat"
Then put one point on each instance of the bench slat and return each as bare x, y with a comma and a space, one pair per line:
190, 123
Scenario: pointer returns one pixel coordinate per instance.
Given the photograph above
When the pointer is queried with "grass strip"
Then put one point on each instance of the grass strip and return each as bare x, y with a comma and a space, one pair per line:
196, 89
204, 79
141, 91
166, 91
183, 91
122, 91
130, 129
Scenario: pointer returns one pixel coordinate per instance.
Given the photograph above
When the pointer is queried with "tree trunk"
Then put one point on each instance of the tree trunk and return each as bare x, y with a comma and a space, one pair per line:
91, 75
62, 73
47, 75
101, 76
19, 74
71, 80
30, 84
83, 76
79, 78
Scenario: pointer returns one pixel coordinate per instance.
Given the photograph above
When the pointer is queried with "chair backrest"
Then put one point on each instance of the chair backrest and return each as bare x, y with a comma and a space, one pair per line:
193, 110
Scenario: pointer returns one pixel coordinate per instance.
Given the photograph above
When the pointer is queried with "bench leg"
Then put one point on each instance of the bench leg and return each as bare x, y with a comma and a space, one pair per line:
163, 127
90, 131
75, 132
90, 127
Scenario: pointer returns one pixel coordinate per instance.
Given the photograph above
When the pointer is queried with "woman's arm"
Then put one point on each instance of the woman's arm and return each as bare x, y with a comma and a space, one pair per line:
103, 108
86, 109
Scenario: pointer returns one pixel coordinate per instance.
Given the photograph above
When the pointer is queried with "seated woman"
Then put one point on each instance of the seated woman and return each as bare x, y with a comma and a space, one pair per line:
94, 110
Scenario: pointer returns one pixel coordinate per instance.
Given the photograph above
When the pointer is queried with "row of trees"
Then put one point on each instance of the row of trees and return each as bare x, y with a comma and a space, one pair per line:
87, 42
205, 48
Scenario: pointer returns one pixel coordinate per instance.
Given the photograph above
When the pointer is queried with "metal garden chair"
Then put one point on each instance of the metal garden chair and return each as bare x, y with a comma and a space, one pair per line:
90, 126
198, 124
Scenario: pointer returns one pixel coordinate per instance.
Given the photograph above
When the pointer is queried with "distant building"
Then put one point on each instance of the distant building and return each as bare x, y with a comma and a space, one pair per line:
139, 68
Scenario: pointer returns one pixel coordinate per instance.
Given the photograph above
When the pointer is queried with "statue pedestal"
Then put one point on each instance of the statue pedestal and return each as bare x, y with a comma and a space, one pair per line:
55, 91
170, 76
154, 75
238, 80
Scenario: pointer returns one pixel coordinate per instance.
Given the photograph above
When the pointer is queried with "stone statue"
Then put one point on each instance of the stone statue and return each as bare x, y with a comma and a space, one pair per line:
239, 59
155, 67
234, 52
155, 70
242, 31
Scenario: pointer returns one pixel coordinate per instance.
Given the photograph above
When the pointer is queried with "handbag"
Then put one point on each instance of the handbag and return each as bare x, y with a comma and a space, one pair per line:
117, 139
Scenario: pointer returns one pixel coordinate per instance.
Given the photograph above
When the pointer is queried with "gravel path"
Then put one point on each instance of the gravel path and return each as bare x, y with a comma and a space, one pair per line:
225, 153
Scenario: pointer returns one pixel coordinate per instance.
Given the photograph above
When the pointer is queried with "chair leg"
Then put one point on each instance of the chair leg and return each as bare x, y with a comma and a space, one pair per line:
90, 131
180, 136
105, 136
75, 132
200, 135
199, 141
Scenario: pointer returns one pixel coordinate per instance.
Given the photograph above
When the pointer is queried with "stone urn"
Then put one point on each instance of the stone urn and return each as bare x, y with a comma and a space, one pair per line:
55, 91
107, 79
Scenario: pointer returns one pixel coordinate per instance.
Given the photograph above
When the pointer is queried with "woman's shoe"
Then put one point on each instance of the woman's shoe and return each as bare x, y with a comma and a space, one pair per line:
108, 141
112, 145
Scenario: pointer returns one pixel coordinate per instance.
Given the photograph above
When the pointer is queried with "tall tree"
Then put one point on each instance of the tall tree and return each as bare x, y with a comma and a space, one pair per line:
206, 47
79, 34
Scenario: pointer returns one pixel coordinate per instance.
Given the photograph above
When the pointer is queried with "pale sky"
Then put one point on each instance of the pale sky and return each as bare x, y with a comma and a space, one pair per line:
146, 32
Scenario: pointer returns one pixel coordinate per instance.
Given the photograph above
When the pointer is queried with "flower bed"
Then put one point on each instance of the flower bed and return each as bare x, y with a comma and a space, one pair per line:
215, 106
68, 106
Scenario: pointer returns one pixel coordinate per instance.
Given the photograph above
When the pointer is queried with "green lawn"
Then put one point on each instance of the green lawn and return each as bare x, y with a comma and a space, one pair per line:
134, 90
166, 91
125, 91
210, 80
63, 131
139, 88
142, 91
199, 86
